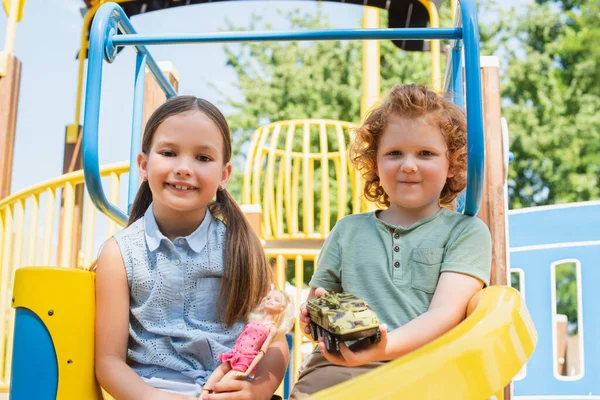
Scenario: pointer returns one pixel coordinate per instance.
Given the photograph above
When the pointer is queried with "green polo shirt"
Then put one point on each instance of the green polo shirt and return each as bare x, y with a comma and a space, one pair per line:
396, 269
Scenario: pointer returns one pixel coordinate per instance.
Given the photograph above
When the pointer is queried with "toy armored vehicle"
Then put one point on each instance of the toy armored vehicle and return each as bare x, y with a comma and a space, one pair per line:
342, 317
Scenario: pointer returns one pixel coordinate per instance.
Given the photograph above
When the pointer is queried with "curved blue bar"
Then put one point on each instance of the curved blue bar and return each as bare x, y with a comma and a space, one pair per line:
317, 34
475, 141
109, 18
136, 128
34, 365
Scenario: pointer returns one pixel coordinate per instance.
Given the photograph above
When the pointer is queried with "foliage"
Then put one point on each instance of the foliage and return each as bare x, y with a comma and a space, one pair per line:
552, 96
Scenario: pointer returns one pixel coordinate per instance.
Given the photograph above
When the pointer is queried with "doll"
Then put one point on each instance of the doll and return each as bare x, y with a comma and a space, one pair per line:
272, 318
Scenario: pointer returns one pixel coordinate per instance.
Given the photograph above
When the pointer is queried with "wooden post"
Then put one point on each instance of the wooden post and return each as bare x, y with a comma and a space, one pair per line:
153, 94
494, 206
9, 102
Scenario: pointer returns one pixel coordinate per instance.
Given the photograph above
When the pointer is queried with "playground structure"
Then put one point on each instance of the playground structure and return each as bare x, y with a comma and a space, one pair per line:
20, 248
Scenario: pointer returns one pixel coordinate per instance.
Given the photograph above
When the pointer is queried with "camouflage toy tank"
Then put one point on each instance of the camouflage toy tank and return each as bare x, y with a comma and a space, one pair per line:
342, 317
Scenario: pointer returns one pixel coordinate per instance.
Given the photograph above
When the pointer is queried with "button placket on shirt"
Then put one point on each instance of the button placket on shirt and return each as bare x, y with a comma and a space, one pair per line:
396, 252
178, 303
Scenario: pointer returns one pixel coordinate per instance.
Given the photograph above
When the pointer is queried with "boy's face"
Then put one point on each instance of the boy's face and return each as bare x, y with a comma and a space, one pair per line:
413, 166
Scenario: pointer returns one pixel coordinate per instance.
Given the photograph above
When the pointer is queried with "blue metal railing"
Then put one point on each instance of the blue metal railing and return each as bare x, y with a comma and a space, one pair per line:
112, 28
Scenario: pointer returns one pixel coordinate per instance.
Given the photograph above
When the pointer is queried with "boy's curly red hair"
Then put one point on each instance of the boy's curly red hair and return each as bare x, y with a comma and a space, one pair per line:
412, 101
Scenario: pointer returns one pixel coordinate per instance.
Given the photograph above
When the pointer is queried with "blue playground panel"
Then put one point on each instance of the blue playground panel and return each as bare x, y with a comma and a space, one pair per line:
540, 237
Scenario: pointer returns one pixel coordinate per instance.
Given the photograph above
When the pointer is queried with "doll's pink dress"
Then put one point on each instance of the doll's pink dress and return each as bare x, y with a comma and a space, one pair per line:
246, 346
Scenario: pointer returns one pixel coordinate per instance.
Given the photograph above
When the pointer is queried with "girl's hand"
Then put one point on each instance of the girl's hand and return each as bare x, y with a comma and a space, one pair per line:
319, 292
234, 390
360, 353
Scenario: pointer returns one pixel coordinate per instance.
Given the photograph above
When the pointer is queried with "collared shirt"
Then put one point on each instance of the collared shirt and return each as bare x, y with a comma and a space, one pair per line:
395, 268
174, 286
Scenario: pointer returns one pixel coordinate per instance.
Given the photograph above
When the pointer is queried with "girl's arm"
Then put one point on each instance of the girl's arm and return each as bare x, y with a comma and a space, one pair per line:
448, 308
269, 375
261, 353
112, 331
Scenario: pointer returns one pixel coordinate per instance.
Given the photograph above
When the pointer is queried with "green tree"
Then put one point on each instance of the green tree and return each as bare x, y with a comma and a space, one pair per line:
552, 96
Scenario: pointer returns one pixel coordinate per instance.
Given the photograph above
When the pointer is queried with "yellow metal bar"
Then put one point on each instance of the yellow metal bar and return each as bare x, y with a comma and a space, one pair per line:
250, 160
295, 184
14, 16
113, 197
33, 229
89, 225
342, 174
279, 200
325, 213
66, 241
453, 7
6, 269
7, 287
371, 73
307, 210
297, 329
269, 189
287, 176
280, 272
73, 177
311, 199
48, 221
434, 22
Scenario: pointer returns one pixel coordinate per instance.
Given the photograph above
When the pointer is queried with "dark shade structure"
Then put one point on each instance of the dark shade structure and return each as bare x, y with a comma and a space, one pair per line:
402, 13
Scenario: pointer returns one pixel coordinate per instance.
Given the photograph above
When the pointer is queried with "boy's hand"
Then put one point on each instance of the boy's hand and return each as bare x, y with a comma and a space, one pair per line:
304, 318
359, 353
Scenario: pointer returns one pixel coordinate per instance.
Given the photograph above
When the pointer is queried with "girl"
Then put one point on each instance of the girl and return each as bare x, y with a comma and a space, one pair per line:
176, 286
273, 318
416, 262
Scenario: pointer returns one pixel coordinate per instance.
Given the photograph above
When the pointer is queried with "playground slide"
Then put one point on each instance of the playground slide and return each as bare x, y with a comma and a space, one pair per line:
473, 361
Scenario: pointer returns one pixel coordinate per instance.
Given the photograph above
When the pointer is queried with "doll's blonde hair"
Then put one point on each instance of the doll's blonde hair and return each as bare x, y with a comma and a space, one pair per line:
284, 321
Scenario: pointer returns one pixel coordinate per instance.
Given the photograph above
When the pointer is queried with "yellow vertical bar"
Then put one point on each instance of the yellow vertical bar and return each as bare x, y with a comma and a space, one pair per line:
434, 22
113, 197
279, 199
287, 172
295, 184
280, 272
7, 289
89, 225
252, 150
4, 284
256, 172
342, 174
9, 39
269, 190
311, 198
453, 7
325, 213
48, 221
307, 210
297, 328
68, 209
33, 229
371, 74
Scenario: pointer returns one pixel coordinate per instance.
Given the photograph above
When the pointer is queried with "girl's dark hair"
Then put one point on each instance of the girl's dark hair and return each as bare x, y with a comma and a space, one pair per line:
412, 101
246, 274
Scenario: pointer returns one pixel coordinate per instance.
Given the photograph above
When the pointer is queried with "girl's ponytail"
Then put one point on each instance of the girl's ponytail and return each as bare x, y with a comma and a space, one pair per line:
142, 201
247, 274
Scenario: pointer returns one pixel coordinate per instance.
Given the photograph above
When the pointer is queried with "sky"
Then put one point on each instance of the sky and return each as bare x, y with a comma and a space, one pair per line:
47, 40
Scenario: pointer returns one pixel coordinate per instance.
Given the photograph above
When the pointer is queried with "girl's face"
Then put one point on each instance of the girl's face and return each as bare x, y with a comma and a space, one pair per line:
274, 303
185, 165
412, 166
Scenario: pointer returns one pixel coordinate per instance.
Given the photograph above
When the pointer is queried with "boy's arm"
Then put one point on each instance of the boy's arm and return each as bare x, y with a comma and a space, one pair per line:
447, 309
112, 331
